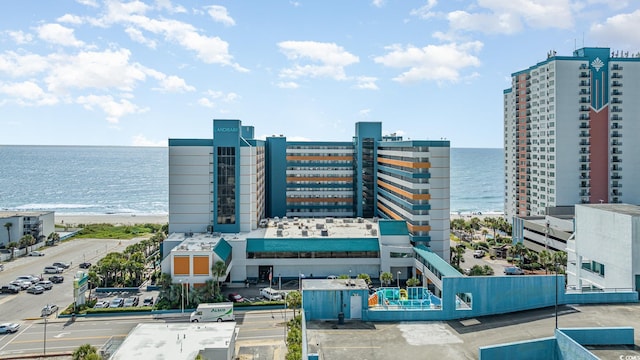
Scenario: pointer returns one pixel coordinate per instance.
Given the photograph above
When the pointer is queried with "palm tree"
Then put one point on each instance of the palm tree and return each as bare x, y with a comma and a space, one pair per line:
8, 225
85, 352
386, 278
53, 238
26, 241
12, 245
560, 259
365, 277
218, 269
294, 300
545, 260
413, 281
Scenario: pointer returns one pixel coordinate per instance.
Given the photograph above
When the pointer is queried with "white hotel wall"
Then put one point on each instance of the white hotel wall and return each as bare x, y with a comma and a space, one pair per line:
440, 200
598, 229
248, 189
190, 188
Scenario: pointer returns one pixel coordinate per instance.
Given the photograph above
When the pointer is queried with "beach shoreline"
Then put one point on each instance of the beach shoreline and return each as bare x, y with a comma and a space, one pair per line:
114, 219
132, 219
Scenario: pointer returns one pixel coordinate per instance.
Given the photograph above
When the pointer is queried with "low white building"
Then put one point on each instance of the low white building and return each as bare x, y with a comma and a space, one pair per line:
179, 341
605, 254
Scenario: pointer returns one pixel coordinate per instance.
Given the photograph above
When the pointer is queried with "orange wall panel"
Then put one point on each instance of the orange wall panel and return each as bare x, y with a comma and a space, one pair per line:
181, 265
201, 265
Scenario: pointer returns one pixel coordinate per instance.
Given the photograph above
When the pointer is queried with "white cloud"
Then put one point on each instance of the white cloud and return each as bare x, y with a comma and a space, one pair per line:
112, 108
20, 37
219, 14
212, 98
366, 82
287, 85
137, 36
510, 16
432, 62
295, 3
210, 50
364, 112
58, 34
19, 65
166, 5
620, 29
378, 3
91, 3
70, 19
424, 12
92, 69
141, 140
27, 93
332, 58
174, 84
504, 23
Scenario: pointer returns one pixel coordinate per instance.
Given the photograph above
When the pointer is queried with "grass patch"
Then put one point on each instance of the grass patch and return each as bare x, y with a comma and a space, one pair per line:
122, 232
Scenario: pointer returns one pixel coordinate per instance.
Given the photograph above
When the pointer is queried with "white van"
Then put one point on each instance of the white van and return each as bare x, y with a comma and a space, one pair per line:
270, 294
213, 312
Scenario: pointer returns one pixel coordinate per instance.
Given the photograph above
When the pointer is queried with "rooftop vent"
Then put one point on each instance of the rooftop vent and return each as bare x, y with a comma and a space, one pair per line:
319, 226
324, 232
374, 232
305, 233
368, 226
279, 232
329, 220
360, 220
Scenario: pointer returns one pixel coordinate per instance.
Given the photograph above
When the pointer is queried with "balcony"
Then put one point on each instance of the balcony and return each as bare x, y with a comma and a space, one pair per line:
616, 101
584, 74
584, 117
584, 92
584, 126
584, 134
584, 151
616, 160
583, 108
585, 193
616, 151
584, 101
585, 184
616, 67
616, 192
616, 84
616, 126
616, 177
616, 135
616, 118
585, 168
586, 143
616, 185
616, 92
616, 167
616, 142
616, 110
584, 159
616, 75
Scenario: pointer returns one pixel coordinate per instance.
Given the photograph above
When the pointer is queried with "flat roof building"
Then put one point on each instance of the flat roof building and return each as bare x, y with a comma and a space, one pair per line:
232, 182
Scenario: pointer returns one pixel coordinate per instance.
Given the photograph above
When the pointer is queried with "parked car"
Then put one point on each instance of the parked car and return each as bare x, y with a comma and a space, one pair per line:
101, 305
56, 279
36, 253
234, 297
49, 309
148, 301
52, 270
85, 265
7, 328
61, 265
46, 284
31, 278
513, 270
35, 289
1, 267
10, 289
24, 285
478, 254
116, 302
131, 301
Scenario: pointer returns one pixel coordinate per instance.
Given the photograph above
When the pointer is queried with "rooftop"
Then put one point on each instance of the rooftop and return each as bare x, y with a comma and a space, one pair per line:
327, 227
334, 284
174, 340
627, 209
7, 214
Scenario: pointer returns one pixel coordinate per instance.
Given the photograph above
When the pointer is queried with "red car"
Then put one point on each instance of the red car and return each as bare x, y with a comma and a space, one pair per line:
234, 297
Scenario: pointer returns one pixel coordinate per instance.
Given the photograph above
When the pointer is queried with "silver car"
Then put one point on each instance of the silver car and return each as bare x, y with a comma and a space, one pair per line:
8, 328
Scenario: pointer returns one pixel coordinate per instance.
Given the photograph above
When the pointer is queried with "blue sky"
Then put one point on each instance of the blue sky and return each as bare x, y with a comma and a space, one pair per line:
91, 72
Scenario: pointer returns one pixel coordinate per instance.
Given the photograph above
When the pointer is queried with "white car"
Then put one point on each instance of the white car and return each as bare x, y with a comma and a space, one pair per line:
49, 309
36, 253
7, 328
101, 305
46, 284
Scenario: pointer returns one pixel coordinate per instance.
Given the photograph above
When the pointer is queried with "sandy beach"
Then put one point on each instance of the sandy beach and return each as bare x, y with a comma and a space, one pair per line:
116, 219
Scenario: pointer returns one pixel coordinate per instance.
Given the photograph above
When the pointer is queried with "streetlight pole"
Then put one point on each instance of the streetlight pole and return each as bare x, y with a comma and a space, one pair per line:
398, 279
181, 297
556, 305
44, 348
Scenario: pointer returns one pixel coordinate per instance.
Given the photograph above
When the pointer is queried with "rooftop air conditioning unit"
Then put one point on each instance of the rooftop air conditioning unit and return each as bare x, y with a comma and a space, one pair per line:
329, 220
305, 233
374, 232
319, 226
324, 232
279, 232
360, 220
368, 226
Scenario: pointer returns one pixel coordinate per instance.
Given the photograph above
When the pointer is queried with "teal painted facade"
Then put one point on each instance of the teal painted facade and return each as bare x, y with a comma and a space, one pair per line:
327, 304
276, 176
226, 134
566, 344
365, 140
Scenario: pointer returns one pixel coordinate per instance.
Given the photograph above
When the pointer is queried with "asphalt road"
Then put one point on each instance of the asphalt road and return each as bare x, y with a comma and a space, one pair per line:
261, 333
16, 308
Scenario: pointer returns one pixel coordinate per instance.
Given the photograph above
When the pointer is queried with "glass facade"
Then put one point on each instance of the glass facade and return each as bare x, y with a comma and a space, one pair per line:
226, 189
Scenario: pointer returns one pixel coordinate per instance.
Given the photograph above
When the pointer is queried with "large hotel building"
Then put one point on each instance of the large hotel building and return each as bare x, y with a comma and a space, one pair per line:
570, 127
233, 182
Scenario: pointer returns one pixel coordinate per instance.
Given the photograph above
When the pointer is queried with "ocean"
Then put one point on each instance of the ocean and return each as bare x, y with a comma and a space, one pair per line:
95, 180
